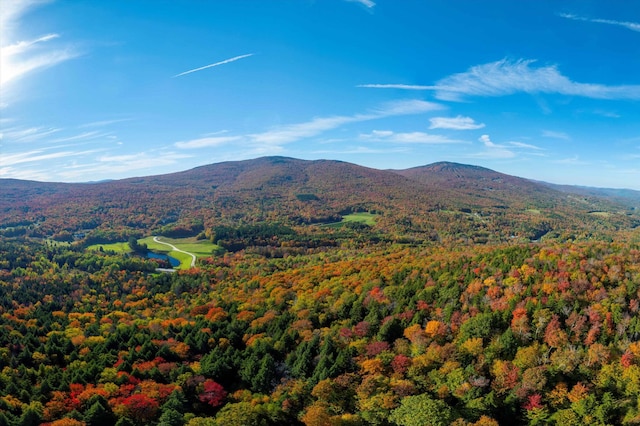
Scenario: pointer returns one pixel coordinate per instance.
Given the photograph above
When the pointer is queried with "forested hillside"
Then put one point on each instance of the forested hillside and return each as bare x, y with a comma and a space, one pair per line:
334, 295
385, 335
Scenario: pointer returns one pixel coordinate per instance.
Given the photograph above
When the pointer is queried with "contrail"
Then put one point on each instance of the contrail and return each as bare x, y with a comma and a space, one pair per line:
226, 61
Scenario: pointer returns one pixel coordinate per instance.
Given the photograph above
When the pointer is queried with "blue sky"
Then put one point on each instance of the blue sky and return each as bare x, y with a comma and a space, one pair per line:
96, 90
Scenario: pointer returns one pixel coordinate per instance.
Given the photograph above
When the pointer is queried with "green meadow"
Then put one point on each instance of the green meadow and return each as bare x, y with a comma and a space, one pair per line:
114, 247
200, 248
362, 217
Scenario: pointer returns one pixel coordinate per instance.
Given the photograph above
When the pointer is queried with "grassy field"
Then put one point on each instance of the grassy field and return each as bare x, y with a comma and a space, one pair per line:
363, 217
366, 218
115, 247
201, 248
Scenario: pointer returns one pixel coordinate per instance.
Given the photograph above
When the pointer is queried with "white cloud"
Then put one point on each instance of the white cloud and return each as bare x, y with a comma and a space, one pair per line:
103, 123
42, 134
226, 61
30, 134
506, 77
83, 136
271, 141
293, 132
19, 57
501, 151
37, 155
524, 145
487, 142
397, 86
455, 123
633, 26
361, 150
572, 161
555, 135
408, 137
381, 134
604, 113
405, 107
207, 142
109, 165
25, 174
366, 3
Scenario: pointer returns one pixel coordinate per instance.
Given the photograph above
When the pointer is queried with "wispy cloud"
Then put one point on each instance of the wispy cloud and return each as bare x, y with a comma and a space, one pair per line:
24, 174
408, 137
30, 134
226, 61
397, 86
366, 3
362, 150
455, 123
633, 26
19, 57
271, 141
524, 145
503, 150
572, 161
555, 135
493, 150
486, 140
39, 155
207, 142
103, 123
42, 134
294, 132
608, 114
82, 137
507, 77
106, 166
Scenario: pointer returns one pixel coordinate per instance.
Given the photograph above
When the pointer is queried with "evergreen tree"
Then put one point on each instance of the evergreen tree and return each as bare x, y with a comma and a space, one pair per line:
176, 402
4, 420
125, 421
99, 414
30, 417
264, 379
171, 417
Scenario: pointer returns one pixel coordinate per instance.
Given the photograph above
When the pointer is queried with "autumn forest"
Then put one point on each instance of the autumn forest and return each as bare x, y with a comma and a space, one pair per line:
331, 294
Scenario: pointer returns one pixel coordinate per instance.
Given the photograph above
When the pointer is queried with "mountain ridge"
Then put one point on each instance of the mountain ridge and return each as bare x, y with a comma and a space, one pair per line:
457, 200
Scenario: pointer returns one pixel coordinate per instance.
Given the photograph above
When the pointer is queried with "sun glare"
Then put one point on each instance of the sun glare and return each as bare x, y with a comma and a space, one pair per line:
20, 54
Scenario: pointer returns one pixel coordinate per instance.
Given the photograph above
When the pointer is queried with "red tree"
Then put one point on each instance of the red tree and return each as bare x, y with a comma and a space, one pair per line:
140, 407
213, 393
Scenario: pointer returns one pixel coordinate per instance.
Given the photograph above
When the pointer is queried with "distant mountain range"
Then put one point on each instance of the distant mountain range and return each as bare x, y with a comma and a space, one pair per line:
454, 201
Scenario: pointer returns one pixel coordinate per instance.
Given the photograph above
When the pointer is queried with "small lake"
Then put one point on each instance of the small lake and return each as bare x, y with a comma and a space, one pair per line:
172, 260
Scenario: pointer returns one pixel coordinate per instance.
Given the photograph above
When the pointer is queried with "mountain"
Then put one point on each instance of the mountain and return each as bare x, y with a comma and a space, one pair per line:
627, 197
481, 183
449, 200
478, 187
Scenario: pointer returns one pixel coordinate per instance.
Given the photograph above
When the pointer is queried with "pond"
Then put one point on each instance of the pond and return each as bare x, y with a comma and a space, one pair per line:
172, 260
